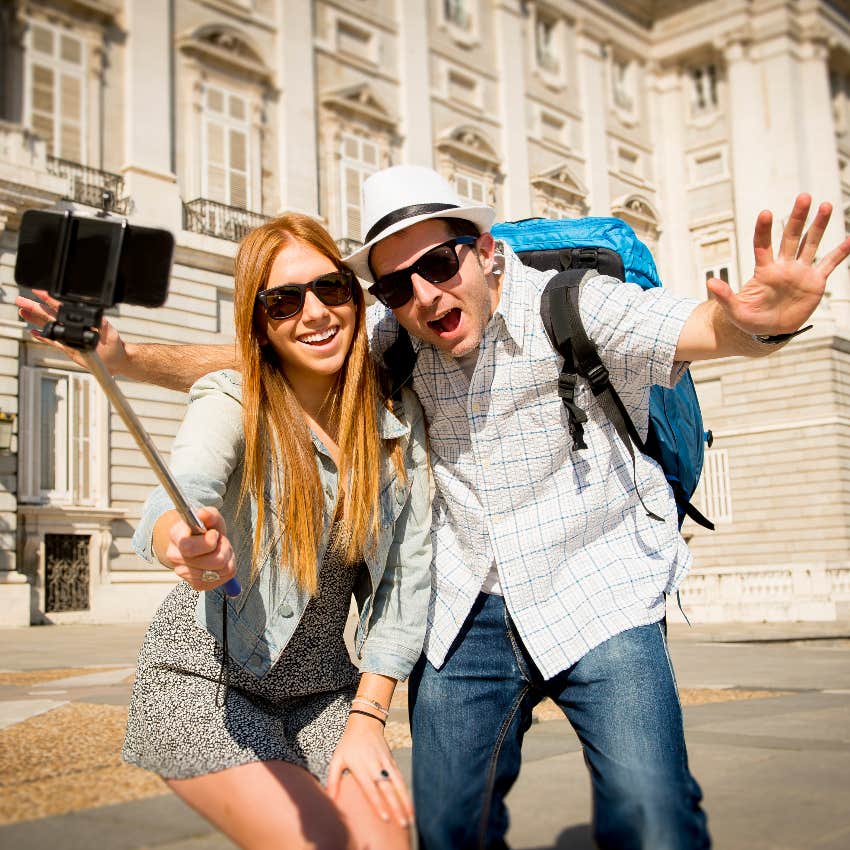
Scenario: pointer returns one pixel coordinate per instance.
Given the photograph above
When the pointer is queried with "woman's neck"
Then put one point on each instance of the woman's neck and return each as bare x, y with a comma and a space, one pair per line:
314, 395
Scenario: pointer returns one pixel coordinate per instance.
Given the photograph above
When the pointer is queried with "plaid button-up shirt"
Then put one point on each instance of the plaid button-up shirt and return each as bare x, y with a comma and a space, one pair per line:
578, 558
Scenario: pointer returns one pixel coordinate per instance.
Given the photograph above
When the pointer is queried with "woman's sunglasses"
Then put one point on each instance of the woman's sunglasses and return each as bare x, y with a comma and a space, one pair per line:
333, 290
438, 265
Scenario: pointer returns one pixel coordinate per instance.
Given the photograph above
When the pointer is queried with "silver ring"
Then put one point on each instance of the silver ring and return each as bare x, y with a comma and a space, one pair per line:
210, 575
383, 776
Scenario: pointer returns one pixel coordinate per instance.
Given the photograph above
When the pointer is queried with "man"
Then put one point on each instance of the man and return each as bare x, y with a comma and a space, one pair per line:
549, 576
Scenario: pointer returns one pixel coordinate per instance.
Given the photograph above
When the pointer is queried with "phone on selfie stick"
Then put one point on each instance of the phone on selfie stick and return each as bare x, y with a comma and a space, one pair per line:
89, 264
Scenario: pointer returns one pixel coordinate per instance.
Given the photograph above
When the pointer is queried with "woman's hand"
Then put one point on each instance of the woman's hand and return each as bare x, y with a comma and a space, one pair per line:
363, 752
196, 557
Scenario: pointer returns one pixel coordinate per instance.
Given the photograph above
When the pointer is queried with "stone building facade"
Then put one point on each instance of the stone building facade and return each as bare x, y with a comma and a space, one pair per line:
203, 116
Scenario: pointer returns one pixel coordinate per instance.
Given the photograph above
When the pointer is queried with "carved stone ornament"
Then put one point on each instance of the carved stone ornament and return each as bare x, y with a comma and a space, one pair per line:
639, 213
224, 47
362, 104
561, 187
469, 144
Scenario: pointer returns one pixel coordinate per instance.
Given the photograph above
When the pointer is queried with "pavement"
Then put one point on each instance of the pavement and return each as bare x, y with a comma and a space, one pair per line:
767, 717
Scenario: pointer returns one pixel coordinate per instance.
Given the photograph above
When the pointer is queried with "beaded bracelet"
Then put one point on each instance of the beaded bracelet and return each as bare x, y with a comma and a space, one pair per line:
373, 703
368, 714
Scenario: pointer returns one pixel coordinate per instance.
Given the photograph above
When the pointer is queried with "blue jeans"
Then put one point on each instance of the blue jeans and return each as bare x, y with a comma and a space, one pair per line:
469, 717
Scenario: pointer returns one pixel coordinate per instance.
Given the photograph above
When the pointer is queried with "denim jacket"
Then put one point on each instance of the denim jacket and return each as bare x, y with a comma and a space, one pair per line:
392, 594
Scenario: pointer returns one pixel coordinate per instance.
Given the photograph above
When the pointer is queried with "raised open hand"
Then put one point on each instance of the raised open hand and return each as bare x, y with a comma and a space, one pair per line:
785, 289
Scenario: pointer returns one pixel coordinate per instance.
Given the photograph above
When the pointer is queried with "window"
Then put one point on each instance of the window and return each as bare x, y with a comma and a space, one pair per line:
713, 494
546, 45
708, 166
63, 441
360, 158
462, 89
225, 154
353, 41
470, 188
552, 128
627, 161
704, 89
56, 91
839, 85
623, 85
717, 259
456, 12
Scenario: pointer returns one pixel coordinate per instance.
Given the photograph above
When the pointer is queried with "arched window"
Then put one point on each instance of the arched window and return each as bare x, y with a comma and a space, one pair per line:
470, 162
558, 193
225, 92
642, 216
358, 138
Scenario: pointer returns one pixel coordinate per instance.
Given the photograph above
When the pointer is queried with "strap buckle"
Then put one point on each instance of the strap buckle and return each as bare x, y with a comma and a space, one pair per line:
597, 376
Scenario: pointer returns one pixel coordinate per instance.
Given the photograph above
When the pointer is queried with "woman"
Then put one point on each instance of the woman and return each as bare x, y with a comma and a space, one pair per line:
312, 488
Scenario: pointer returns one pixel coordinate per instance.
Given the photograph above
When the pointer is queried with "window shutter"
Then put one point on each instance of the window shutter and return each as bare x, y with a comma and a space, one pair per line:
352, 183
43, 100
238, 169
360, 158
82, 427
227, 149
216, 170
70, 130
57, 75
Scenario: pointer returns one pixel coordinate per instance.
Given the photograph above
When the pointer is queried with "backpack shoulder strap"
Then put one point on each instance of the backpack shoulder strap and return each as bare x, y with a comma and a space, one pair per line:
400, 361
562, 320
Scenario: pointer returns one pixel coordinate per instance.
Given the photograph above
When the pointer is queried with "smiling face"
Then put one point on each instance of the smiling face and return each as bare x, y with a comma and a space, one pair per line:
312, 345
450, 315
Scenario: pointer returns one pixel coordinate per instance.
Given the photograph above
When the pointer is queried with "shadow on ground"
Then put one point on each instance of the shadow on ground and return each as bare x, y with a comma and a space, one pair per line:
574, 838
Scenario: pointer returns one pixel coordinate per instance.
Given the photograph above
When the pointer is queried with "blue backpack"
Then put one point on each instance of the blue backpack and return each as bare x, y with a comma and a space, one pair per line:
572, 246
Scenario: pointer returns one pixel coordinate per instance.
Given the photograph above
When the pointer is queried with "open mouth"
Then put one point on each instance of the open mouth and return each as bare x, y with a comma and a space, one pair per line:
446, 323
320, 337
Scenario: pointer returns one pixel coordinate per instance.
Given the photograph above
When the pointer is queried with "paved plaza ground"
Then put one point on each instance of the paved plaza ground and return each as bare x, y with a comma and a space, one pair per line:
767, 714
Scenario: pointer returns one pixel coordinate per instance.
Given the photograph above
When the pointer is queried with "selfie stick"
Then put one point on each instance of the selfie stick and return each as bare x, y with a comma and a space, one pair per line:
95, 365
84, 343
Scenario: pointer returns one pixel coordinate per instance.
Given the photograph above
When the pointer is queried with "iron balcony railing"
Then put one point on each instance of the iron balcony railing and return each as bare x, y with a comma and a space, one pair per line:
91, 186
214, 219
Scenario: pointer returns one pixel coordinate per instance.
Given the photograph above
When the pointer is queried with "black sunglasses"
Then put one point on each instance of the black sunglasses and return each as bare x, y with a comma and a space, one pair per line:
438, 265
333, 290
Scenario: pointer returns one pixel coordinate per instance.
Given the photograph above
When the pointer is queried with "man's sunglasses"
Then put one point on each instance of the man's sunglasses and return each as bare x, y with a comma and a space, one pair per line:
333, 290
438, 265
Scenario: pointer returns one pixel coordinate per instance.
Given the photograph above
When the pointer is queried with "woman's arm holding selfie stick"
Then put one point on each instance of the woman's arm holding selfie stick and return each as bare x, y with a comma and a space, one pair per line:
193, 556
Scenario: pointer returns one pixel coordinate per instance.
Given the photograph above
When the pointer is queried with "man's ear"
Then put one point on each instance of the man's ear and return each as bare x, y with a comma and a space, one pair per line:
486, 247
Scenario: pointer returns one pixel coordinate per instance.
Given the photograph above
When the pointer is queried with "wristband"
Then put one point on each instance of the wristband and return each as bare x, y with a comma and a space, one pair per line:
778, 339
368, 714
373, 703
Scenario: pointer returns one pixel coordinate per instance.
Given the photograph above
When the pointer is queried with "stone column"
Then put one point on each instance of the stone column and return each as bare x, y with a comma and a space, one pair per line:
783, 143
509, 27
747, 143
415, 77
594, 106
299, 183
676, 260
822, 176
149, 114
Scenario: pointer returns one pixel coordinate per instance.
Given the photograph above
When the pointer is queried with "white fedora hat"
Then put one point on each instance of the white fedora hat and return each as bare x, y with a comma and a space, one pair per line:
398, 197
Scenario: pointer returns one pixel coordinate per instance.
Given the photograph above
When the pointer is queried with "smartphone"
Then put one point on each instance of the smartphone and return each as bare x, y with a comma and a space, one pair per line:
99, 261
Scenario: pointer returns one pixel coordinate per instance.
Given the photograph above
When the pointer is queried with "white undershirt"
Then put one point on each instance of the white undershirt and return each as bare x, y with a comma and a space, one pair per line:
491, 581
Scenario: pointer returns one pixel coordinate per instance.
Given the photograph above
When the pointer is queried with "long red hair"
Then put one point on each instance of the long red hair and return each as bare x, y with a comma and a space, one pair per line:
278, 444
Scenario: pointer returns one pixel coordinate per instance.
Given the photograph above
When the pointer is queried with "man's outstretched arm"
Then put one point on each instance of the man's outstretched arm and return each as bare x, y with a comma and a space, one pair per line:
174, 366
780, 297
